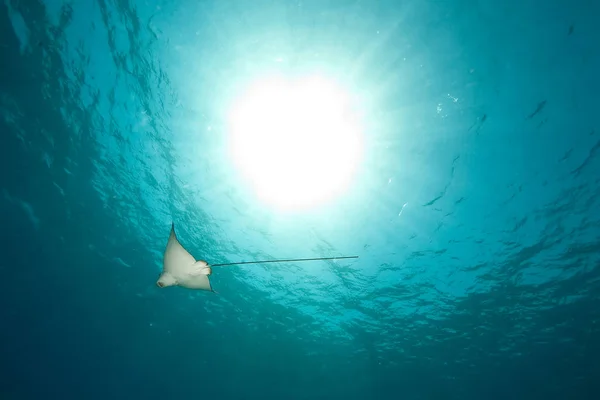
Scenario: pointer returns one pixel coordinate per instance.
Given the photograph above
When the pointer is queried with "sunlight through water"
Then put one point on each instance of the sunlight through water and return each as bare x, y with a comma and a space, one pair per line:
296, 141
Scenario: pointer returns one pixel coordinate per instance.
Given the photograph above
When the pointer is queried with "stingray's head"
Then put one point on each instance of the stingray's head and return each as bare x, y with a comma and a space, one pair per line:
166, 279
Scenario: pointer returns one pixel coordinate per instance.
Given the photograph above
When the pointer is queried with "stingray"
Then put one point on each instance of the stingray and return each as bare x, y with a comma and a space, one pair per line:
180, 268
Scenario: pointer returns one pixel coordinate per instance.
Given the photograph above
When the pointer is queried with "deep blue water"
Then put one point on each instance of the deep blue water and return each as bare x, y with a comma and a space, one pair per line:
474, 210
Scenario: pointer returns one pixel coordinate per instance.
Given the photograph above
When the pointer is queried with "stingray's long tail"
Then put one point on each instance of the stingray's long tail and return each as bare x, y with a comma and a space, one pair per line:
290, 260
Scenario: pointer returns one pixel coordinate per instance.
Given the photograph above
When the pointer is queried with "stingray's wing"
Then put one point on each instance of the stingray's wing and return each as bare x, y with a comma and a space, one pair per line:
200, 282
197, 278
176, 259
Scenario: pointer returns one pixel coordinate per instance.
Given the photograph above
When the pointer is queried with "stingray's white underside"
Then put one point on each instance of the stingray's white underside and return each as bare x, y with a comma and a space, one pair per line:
180, 268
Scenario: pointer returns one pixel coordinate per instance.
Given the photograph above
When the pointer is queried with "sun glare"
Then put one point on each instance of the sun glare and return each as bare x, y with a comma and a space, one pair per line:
296, 141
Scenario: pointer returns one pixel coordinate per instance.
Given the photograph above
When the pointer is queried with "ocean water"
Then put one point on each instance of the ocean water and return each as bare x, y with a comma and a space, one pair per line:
473, 209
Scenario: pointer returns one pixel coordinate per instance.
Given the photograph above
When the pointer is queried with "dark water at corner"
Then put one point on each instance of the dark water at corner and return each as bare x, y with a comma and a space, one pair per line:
475, 213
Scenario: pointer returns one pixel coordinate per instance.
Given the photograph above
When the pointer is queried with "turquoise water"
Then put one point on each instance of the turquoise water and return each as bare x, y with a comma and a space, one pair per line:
473, 209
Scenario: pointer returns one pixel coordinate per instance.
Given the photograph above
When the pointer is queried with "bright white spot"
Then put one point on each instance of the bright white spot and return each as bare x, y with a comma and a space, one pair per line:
402, 209
297, 142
